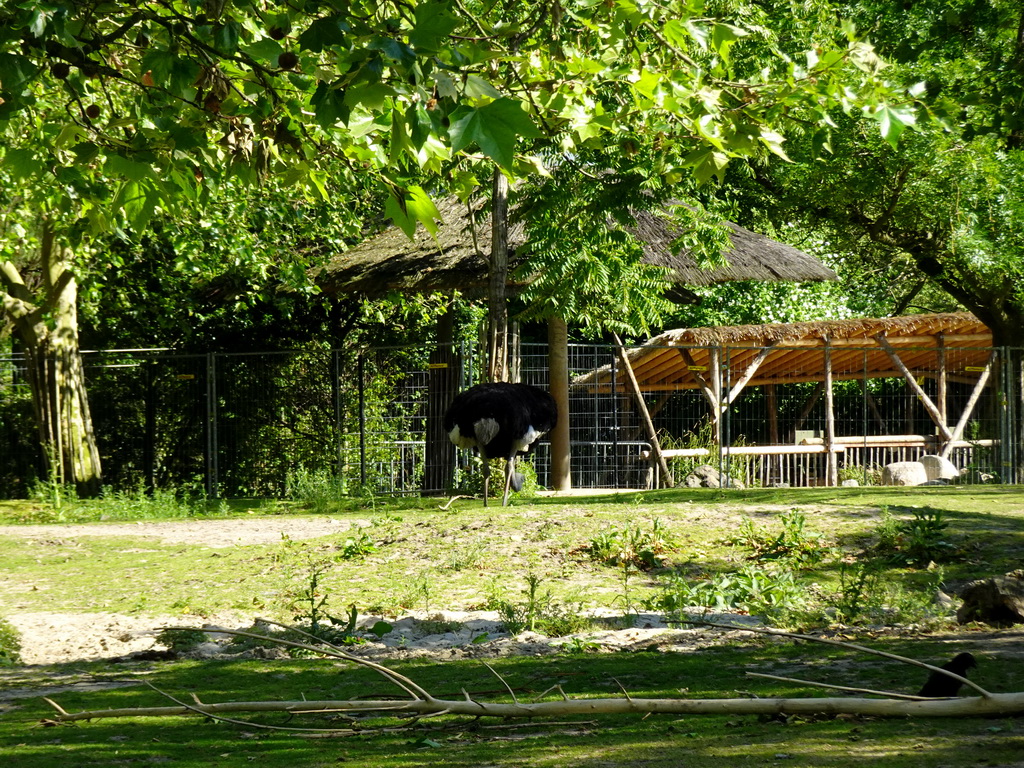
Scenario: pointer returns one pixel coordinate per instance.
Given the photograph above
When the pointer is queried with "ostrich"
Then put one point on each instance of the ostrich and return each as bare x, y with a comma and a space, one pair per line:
500, 420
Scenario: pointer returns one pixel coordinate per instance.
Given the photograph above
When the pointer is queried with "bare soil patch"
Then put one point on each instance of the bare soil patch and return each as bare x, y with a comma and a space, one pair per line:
205, 532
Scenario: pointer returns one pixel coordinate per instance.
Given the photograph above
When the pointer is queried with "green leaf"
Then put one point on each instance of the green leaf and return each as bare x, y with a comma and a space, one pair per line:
21, 162
14, 71
892, 121
395, 50
381, 628
394, 209
329, 104
434, 23
267, 49
707, 163
328, 31
494, 128
129, 169
723, 36
226, 36
371, 96
422, 209
414, 206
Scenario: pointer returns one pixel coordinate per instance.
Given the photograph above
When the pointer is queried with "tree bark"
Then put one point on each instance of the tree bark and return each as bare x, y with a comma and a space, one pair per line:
48, 328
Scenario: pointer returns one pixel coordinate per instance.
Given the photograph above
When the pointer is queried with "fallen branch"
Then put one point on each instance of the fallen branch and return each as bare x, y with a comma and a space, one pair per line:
421, 703
1007, 704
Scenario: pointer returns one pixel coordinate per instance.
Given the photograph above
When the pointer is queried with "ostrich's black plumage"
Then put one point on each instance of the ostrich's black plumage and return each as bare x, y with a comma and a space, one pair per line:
940, 686
500, 420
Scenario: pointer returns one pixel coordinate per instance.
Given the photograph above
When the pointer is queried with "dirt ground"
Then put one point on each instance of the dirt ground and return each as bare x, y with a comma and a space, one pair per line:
50, 638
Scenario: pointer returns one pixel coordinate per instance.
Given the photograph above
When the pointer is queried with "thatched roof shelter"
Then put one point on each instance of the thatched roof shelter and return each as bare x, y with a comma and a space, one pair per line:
680, 359
390, 261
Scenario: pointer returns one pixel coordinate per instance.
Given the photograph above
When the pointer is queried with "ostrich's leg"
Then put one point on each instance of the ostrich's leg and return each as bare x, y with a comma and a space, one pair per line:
487, 475
510, 468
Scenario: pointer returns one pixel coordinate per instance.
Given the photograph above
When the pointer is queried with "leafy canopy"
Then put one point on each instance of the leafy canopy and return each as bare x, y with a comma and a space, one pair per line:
111, 111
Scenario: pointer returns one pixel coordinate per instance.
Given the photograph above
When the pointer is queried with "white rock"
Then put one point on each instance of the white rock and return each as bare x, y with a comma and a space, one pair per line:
904, 473
939, 468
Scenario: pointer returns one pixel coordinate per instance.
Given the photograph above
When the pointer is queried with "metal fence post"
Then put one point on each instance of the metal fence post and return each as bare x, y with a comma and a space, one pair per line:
212, 481
361, 374
339, 466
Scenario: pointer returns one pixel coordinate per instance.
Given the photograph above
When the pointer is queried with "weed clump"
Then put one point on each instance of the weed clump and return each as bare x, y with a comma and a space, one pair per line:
914, 543
774, 594
643, 549
538, 612
793, 546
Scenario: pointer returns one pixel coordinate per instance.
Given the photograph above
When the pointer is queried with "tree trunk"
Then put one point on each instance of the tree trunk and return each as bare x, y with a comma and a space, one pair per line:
48, 329
497, 303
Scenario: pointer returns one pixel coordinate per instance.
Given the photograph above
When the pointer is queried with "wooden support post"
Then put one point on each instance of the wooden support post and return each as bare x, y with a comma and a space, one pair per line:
715, 363
558, 366
972, 401
831, 465
698, 375
940, 395
926, 401
645, 415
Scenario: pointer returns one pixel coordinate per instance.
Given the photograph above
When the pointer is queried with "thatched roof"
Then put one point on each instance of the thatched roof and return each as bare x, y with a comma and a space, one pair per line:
675, 359
390, 261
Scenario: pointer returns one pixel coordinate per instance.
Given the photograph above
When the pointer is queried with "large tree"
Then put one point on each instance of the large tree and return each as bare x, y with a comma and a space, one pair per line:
943, 207
112, 112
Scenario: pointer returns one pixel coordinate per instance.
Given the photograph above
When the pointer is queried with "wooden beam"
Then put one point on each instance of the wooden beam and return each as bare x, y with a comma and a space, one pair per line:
962, 339
926, 401
645, 415
715, 364
941, 379
748, 374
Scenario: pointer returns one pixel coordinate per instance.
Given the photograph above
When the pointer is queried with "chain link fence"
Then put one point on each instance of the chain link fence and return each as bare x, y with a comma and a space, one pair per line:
248, 425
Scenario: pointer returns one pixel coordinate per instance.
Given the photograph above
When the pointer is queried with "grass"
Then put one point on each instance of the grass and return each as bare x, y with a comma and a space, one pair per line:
404, 554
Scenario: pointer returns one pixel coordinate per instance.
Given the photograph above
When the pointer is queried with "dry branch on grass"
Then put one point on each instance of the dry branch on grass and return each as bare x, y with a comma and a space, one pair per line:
421, 703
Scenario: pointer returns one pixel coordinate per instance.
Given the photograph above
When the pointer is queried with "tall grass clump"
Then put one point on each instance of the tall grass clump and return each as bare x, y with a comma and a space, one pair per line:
61, 504
10, 644
319, 491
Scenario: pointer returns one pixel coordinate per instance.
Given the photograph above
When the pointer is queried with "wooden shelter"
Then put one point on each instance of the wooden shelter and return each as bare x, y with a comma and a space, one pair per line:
457, 259
722, 361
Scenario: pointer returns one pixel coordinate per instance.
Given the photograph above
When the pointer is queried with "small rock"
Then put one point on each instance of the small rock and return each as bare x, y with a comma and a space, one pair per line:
939, 468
